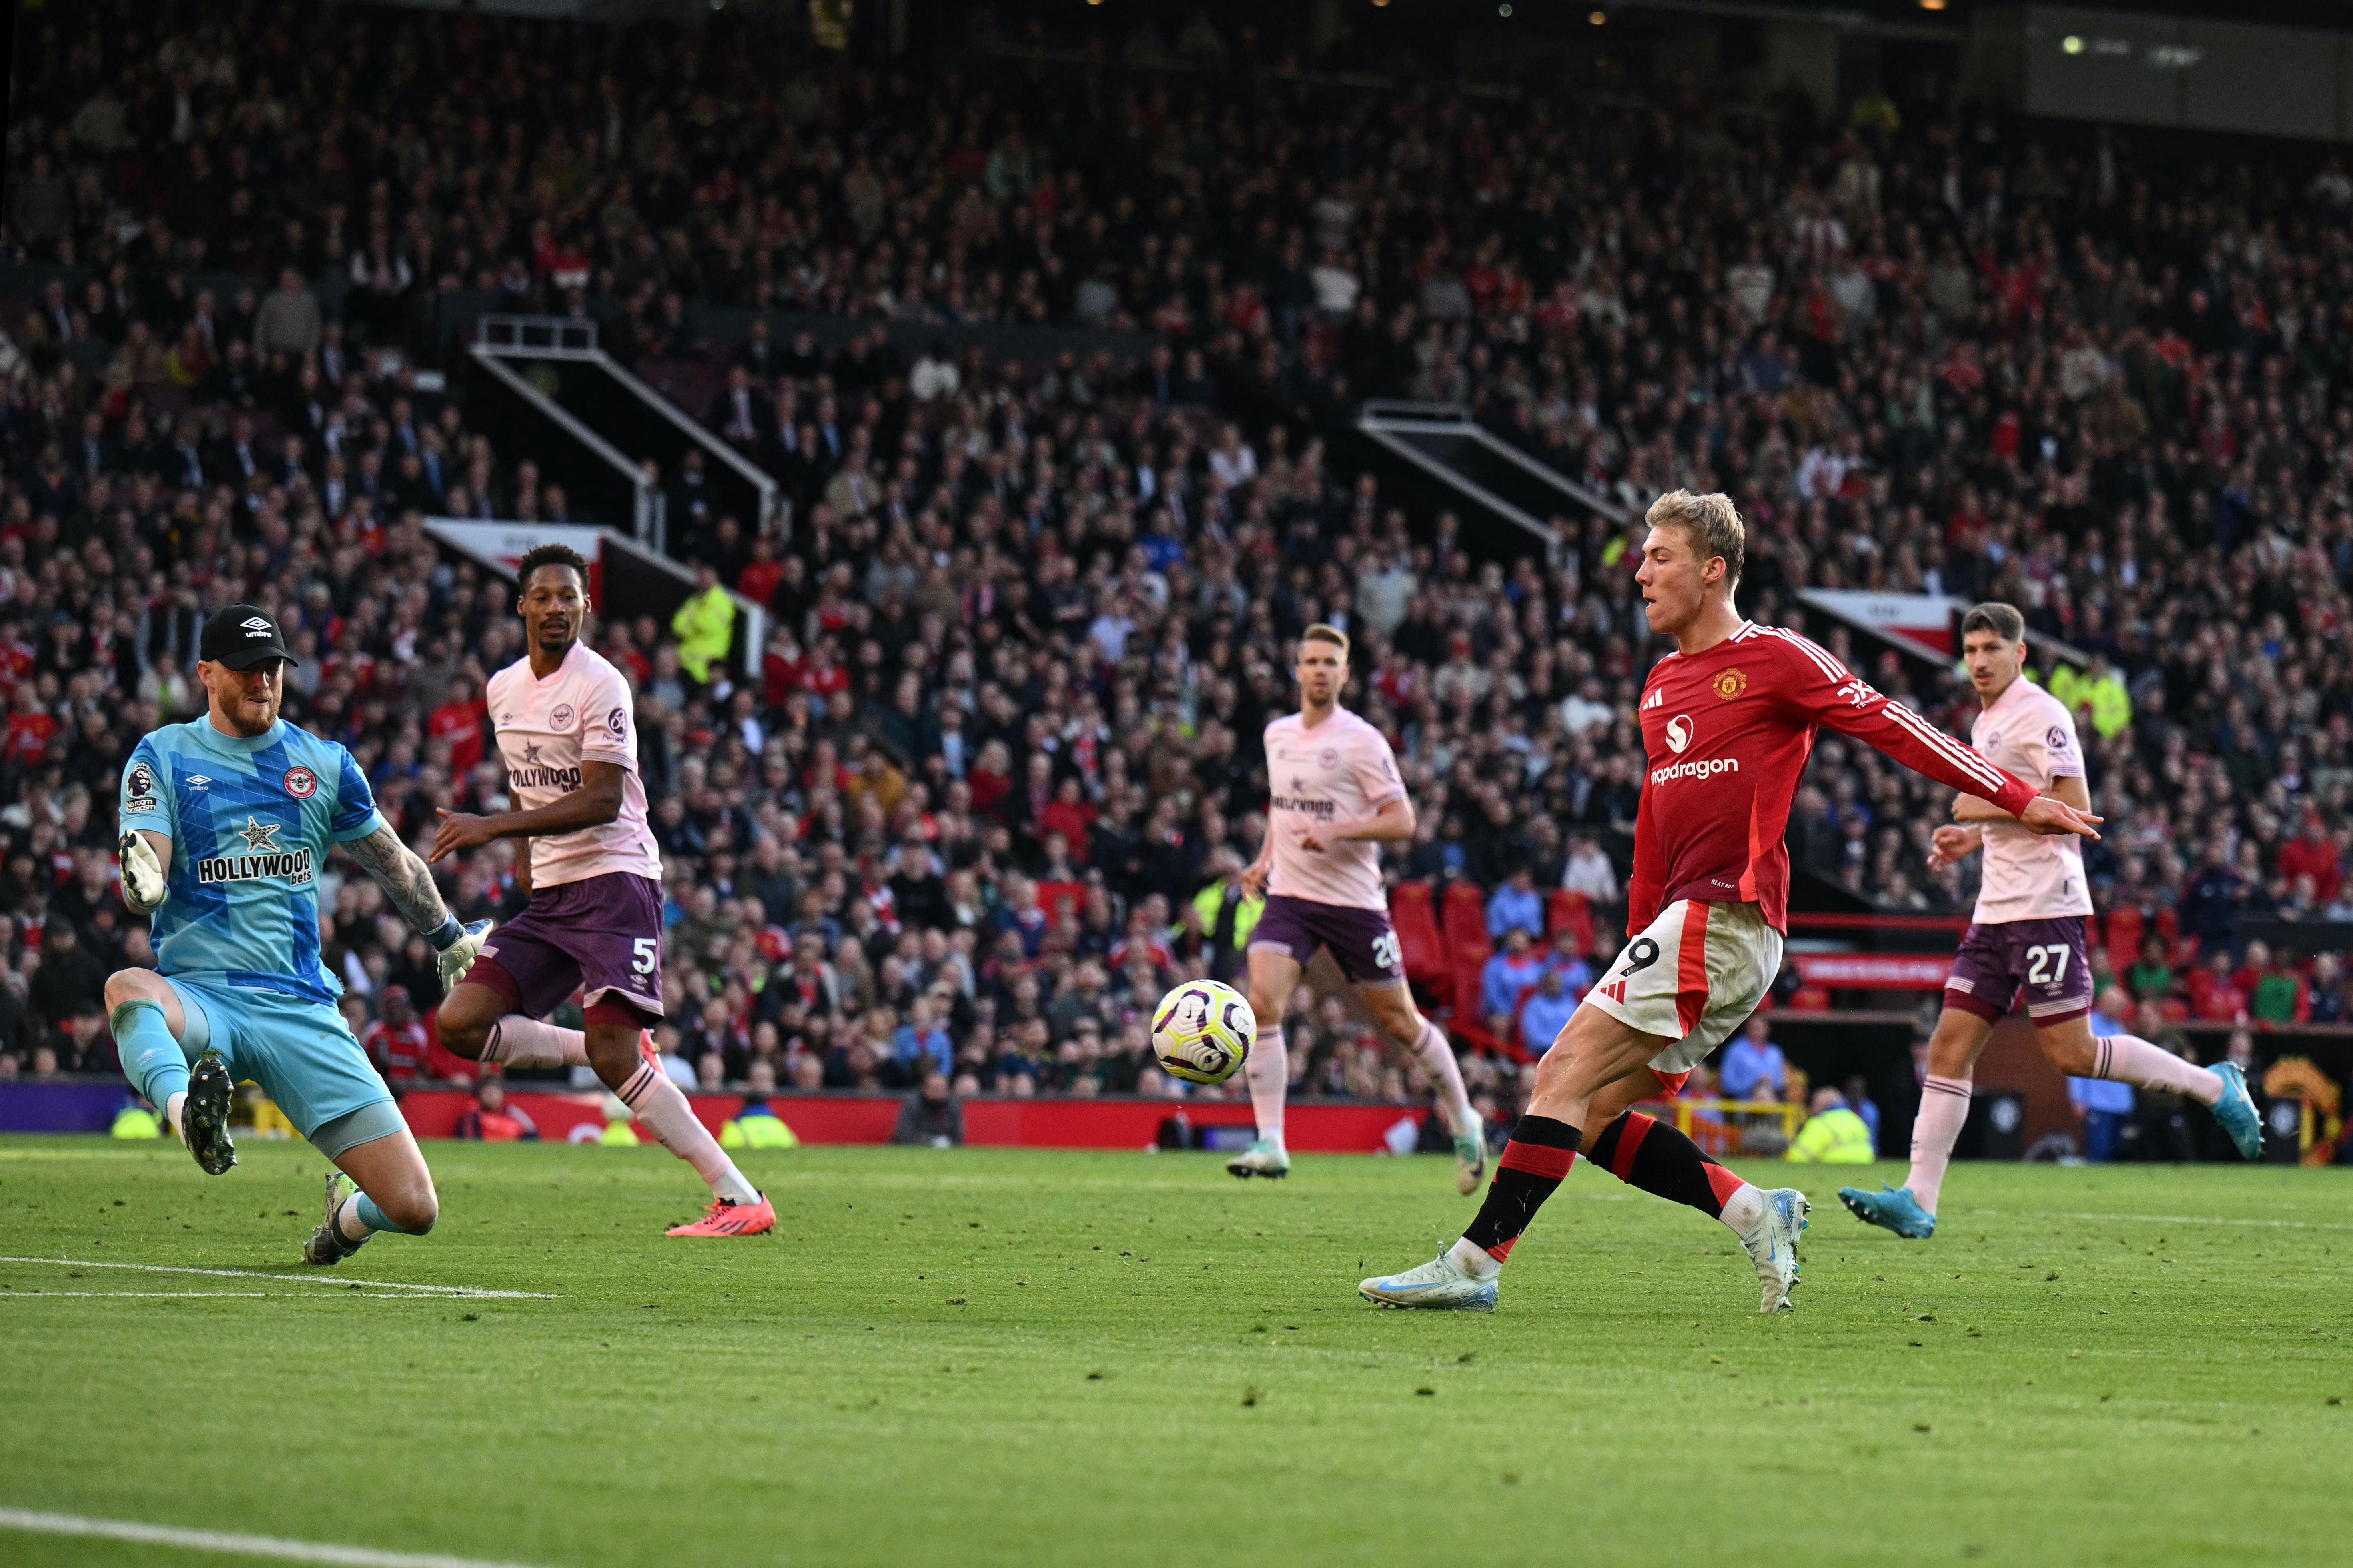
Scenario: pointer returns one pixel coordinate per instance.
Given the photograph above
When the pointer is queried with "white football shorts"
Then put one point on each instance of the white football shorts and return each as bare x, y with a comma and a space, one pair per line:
1695, 976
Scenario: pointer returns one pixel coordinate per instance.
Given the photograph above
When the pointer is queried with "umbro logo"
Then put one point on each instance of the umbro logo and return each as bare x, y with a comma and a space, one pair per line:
255, 626
197, 781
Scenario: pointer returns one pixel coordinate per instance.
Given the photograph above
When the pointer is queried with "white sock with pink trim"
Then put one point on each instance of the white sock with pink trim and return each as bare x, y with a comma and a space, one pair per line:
520, 1042
1943, 1106
662, 1108
2128, 1058
1266, 1070
1436, 1054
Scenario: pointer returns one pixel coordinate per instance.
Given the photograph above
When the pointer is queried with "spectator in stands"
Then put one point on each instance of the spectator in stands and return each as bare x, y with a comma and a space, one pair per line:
1833, 1134
2312, 853
2328, 987
931, 1115
289, 322
2152, 978
756, 1125
704, 625
396, 1041
2275, 993
1588, 872
1859, 1100
1223, 916
1509, 973
1515, 906
492, 1119
1751, 1066
70, 977
2211, 901
1546, 1011
2215, 994
1577, 971
922, 1045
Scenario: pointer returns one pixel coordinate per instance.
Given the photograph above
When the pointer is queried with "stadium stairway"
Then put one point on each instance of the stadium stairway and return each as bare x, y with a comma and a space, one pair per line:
1442, 453
594, 425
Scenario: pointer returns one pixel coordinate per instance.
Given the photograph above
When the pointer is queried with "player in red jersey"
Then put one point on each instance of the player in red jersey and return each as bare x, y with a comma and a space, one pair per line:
1728, 719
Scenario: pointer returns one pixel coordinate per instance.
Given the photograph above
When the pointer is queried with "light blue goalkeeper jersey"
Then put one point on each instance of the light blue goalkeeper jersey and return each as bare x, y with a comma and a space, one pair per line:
251, 822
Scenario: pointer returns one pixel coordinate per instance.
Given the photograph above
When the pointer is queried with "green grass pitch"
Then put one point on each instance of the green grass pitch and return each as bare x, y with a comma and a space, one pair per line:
1011, 1357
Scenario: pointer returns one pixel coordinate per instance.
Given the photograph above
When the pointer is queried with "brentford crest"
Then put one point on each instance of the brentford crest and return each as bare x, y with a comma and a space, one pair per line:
302, 783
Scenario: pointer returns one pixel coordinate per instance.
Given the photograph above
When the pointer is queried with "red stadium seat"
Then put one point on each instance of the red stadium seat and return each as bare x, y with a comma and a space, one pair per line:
2180, 952
1467, 947
1466, 917
1573, 913
2123, 933
1051, 894
1418, 943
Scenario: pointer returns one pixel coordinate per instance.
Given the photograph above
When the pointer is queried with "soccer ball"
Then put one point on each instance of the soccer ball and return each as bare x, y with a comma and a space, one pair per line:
1201, 1031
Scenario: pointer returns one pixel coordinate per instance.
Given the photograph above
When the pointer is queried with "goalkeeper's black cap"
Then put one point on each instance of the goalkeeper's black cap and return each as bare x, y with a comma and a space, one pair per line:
241, 637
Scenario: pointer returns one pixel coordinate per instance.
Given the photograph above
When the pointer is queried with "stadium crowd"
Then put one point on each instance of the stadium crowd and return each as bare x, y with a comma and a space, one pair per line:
1031, 618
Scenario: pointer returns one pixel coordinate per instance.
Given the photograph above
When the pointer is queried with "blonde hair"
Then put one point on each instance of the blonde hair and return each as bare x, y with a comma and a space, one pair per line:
1323, 632
1713, 524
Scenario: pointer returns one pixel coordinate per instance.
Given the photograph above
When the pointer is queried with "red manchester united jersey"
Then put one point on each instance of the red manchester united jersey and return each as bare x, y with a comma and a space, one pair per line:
1728, 732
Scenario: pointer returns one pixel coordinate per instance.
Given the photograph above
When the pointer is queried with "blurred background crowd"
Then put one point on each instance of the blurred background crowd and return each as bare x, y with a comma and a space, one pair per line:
981, 796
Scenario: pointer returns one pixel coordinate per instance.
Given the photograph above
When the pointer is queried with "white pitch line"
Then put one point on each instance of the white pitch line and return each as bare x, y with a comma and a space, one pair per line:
157, 1295
244, 1545
2168, 1219
469, 1290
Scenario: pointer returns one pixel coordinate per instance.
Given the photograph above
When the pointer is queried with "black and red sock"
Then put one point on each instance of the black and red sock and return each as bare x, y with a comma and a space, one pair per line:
1654, 1156
1531, 1166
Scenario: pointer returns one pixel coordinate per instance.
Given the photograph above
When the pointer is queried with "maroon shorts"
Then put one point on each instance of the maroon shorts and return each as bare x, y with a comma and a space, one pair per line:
2046, 960
1363, 942
602, 934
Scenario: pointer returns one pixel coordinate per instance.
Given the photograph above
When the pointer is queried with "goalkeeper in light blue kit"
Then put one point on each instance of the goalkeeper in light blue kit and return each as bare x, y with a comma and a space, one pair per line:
226, 821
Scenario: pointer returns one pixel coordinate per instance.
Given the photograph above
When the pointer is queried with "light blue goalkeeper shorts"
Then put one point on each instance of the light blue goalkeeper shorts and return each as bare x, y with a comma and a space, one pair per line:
302, 1053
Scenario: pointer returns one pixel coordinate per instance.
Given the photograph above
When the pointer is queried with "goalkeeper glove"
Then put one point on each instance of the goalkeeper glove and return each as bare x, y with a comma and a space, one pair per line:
143, 874
459, 946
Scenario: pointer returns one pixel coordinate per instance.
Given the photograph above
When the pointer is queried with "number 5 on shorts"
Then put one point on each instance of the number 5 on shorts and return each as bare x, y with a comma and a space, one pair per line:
648, 954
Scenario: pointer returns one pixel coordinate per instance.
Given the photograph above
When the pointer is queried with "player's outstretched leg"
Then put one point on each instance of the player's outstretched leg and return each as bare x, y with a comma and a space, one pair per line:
141, 1008
1910, 1210
623, 1054
2222, 1088
1274, 971
1392, 1009
1660, 1159
380, 1184
477, 1022
1267, 1071
1593, 1052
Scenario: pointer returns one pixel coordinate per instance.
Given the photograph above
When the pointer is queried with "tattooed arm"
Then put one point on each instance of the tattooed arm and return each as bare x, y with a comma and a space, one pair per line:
403, 877
409, 886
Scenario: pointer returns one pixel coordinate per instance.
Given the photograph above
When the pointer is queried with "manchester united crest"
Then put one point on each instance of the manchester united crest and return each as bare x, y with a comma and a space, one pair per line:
1730, 684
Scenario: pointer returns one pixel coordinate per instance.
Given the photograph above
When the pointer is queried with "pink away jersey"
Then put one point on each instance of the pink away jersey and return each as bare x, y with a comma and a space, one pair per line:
2028, 876
546, 730
1340, 770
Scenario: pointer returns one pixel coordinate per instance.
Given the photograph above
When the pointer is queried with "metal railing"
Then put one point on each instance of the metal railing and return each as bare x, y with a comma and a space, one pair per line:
559, 334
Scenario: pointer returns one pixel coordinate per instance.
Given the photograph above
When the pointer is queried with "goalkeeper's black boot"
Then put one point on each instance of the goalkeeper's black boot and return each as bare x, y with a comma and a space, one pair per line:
328, 1245
203, 1117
